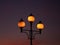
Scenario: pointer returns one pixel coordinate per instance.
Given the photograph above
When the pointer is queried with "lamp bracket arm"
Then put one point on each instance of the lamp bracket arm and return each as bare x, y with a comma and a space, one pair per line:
26, 33
36, 32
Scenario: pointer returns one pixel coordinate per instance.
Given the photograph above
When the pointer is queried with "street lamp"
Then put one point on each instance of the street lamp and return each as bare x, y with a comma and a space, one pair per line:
40, 26
31, 19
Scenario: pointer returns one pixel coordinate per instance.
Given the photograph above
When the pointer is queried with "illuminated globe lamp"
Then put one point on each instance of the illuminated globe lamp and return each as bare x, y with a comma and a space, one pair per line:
31, 18
40, 26
21, 24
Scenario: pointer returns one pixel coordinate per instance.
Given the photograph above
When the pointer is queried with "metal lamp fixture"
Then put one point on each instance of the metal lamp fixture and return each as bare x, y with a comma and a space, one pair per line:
31, 19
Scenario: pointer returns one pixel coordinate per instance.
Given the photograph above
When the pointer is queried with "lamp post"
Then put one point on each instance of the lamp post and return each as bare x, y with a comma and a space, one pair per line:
31, 19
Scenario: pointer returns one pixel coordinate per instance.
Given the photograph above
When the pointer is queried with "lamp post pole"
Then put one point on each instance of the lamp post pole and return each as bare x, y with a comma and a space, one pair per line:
31, 19
31, 33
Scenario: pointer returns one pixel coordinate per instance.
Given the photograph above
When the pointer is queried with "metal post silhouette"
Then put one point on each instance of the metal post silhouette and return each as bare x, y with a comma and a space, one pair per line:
31, 35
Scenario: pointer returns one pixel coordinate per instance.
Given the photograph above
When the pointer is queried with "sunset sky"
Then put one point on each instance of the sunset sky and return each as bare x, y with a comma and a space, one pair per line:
48, 11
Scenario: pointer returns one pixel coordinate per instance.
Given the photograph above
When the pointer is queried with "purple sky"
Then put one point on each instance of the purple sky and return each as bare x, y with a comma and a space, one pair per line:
48, 11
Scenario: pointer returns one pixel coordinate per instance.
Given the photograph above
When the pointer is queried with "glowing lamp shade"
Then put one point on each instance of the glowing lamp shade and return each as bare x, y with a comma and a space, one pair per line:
40, 26
31, 18
21, 24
